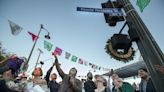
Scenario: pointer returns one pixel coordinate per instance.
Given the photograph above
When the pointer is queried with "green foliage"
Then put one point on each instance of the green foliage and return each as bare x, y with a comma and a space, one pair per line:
1, 58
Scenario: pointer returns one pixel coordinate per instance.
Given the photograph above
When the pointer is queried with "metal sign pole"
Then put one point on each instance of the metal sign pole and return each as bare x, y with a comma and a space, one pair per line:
148, 47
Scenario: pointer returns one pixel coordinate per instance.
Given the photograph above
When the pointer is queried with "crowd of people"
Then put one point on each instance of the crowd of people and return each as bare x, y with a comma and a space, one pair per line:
11, 82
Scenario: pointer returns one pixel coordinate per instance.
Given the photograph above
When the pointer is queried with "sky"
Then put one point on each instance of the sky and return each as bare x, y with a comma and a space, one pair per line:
83, 34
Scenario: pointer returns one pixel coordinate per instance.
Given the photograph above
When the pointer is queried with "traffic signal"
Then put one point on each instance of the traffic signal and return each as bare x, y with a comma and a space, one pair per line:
112, 20
121, 41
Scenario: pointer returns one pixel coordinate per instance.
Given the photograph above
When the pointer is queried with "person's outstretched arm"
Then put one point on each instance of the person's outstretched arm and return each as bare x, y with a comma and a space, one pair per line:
48, 74
60, 71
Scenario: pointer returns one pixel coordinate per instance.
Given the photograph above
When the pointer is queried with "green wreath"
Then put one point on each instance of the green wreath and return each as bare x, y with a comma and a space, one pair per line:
119, 55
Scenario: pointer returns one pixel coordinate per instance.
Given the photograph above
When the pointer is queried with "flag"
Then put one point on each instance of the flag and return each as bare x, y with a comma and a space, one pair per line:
34, 37
58, 51
80, 61
90, 64
67, 55
15, 28
74, 58
142, 4
96, 67
47, 45
99, 68
85, 63
93, 66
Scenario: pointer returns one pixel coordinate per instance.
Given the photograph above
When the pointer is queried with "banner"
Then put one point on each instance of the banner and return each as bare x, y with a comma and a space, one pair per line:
15, 28
142, 4
85, 63
80, 61
90, 64
58, 51
99, 68
74, 58
47, 45
34, 37
67, 55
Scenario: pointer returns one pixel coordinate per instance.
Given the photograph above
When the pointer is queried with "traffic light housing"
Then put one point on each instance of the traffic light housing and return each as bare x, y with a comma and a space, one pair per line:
121, 41
112, 20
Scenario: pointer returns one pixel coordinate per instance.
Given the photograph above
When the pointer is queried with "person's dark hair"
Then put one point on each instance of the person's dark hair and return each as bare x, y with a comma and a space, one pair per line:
54, 74
74, 69
143, 69
89, 75
41, 72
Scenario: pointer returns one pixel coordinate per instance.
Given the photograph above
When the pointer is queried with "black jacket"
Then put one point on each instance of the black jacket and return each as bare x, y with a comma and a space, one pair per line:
89, 86
48, 75
149, 87
54, 86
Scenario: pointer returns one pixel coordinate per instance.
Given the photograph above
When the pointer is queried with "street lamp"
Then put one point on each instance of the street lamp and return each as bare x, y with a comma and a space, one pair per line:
46, 36
42, 62
40, 52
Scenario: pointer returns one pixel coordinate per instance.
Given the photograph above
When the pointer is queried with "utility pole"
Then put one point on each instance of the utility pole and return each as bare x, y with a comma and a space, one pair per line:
148, 47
